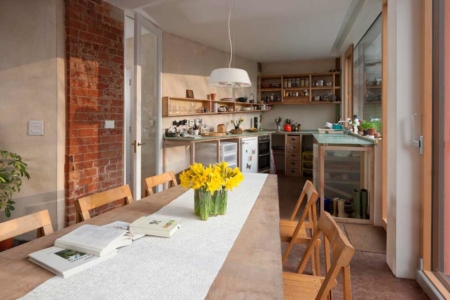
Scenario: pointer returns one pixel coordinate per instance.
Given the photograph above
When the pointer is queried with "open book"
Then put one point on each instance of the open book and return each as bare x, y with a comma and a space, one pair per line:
124, 226
66, 263
154, 226
95, 240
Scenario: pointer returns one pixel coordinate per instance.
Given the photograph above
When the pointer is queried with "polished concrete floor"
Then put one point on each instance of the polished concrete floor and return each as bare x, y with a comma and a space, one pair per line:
371, 277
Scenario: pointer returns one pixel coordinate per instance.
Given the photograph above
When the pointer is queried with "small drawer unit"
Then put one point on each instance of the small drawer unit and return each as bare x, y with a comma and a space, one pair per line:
293, 155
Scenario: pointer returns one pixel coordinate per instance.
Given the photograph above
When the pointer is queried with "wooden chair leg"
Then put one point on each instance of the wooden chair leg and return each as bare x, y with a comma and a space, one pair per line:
346, 285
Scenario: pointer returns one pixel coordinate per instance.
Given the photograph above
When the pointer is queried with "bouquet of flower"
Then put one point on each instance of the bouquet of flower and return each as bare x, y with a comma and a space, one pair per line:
210, 185
237, 123
211, 178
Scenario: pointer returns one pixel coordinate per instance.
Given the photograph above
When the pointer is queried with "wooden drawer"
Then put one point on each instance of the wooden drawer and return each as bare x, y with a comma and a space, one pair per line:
292, 163
293, 156
292, 148
293, 140
292, 171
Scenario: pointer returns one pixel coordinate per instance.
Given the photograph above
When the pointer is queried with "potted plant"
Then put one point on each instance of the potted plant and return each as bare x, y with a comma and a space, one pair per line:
12, 169
370, 126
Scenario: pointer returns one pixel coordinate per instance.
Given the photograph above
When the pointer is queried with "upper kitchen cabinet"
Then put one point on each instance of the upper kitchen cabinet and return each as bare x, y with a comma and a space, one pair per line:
312, 88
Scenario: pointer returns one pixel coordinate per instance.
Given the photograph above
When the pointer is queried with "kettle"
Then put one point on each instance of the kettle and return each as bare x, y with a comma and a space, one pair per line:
287, 127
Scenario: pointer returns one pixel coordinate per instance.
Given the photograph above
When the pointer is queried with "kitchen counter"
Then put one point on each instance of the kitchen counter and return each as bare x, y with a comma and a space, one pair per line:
342, 139
242, 135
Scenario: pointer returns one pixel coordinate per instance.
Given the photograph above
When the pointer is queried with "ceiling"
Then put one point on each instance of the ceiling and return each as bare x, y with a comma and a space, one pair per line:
262, 30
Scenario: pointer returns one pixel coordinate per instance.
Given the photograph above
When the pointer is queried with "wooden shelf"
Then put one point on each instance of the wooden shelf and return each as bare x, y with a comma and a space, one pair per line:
297, 88
334, 77
324, 102
321, 88
271, 90
203, 103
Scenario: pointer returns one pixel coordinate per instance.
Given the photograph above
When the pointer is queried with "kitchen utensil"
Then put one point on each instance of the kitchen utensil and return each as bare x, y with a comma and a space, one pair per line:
236, 131
221, 128
252, 130
316, 98
265, 85
213, 96
242, 99
287, 127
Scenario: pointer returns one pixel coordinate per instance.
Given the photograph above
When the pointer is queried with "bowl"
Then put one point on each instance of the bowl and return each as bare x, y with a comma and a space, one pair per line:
242, 99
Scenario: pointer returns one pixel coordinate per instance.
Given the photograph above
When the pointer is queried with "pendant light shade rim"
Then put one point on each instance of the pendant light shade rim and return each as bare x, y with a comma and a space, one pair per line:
229, 77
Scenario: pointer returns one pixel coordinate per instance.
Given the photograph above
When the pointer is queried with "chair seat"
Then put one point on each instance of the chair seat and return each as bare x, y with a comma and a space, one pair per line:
300, 286
287, 229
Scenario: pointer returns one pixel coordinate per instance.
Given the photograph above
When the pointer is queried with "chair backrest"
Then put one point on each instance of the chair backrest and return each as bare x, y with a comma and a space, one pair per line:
40, 221
153, 181
310, 212
85, 204
308, 189
342, 252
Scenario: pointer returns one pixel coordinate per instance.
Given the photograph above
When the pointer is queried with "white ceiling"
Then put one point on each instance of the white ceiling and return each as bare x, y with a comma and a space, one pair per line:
263, 30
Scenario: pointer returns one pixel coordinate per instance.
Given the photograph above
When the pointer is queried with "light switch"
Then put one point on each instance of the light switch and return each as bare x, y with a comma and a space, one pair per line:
35, 127
109, 124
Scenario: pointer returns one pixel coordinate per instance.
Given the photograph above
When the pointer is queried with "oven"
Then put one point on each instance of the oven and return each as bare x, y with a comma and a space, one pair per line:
264, 154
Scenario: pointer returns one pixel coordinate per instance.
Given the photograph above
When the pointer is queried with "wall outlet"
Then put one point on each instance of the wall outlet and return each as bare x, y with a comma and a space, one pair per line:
191, 123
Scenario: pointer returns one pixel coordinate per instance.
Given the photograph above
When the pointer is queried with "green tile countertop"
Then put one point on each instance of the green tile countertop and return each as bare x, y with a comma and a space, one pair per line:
342, 139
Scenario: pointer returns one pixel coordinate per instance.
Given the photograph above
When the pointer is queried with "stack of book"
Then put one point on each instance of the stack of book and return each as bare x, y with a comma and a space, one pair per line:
89, 245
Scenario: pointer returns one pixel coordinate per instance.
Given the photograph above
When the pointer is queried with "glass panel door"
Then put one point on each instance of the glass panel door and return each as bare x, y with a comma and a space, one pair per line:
146, 110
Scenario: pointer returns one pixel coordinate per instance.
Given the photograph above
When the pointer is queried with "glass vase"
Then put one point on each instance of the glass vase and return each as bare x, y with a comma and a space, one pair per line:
215, 203
204, 204
196, 203
222, 200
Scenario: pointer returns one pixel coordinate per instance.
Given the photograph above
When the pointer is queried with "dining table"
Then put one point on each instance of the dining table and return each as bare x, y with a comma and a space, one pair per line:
251, 270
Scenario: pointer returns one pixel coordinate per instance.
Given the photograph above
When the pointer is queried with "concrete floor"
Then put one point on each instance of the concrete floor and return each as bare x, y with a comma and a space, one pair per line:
371, 277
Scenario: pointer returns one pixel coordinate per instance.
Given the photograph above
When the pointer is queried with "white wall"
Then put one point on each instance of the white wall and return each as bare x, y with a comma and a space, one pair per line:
32, 88
404, 184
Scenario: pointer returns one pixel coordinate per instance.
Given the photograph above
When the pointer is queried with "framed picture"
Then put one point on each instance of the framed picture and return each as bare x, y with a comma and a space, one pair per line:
189, 94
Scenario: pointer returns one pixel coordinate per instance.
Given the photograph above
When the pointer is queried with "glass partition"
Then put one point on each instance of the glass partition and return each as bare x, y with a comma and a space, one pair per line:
367, 74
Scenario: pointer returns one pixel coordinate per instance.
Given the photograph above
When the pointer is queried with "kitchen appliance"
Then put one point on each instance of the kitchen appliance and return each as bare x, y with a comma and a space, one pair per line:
264, 154
206, 153
249, 155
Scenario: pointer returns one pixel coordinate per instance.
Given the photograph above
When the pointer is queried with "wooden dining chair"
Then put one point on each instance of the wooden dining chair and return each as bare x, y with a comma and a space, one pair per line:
302, 286
296, 232
85, 204
39, 220
151, 182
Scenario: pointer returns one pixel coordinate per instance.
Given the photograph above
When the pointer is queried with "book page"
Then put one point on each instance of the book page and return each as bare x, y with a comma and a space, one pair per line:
92, 237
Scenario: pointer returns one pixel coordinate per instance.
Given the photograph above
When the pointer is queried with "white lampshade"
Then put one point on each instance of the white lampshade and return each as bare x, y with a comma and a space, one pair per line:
229, 77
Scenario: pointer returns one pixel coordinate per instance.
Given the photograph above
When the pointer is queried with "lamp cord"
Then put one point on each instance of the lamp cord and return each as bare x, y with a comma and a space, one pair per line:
229, 36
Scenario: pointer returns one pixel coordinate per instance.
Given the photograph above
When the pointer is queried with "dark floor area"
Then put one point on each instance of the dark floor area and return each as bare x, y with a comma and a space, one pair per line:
371, 277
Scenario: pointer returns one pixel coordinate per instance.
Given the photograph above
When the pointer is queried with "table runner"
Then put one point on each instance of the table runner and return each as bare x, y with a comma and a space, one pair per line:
182, 267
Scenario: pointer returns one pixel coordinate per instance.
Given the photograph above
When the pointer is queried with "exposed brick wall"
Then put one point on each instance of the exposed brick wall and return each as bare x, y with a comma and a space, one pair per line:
94, 91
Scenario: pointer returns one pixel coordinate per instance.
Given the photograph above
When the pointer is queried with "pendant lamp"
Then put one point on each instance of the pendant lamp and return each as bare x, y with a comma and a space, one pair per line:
229, 77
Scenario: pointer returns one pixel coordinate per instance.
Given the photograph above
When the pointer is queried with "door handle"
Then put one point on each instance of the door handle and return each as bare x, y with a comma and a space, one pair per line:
416, 143
134, 146
139, 144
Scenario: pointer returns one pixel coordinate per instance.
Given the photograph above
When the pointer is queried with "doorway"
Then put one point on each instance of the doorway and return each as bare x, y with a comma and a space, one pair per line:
143, 112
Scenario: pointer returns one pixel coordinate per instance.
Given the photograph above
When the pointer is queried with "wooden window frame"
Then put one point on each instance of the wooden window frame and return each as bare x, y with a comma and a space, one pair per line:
348, 83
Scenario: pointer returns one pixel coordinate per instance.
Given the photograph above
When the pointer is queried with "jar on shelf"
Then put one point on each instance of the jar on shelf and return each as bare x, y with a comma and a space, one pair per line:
289, 83
297, 82
306, 82
285, 83
302, 83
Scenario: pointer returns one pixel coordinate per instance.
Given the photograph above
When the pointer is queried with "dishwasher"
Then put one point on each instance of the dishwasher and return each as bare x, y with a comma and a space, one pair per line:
249, 155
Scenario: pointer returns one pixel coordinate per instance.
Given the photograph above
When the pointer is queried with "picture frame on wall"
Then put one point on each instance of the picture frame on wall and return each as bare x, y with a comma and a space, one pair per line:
189, 94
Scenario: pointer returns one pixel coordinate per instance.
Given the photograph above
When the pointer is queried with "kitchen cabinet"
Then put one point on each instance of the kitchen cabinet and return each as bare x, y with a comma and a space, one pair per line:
297, 89
342, 164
